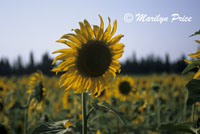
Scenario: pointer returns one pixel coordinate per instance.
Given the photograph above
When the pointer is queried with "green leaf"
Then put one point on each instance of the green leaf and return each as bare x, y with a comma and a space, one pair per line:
197, 41
53, 128
193, 88
191, 66
17, 105
183, 127
107, 108
196, 33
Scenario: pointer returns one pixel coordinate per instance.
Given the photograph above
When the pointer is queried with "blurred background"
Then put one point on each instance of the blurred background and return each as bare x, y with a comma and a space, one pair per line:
29, 30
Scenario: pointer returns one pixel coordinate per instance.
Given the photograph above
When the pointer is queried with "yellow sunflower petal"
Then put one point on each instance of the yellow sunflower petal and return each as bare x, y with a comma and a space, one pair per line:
117, 47
78, 32
113, 69
62, 57
117, 56
89, 84
66, 51
89, 29
115, 40
69, 67
107, 32
67, 62
56, 70
113, 30
194, 55
197, 74
83, 30
187, 61
100, 35
67, 75
118, 51
72, 37
68, 43
68, 81
96, 30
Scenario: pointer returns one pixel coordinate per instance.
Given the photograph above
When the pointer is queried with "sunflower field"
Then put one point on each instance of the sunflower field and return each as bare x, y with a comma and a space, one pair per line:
88, 96
142, 103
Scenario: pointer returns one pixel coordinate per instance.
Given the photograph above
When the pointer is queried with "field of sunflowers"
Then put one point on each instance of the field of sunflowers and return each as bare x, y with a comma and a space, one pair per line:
146, 102
89, 98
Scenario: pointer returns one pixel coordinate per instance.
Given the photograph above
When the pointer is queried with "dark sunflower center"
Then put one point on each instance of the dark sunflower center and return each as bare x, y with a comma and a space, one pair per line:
39, 92
124, 87
94, 58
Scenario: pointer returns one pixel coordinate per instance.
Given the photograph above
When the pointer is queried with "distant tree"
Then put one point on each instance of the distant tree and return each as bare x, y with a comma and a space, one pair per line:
46, 64
18, 67
167, 63
5, 68
31, 66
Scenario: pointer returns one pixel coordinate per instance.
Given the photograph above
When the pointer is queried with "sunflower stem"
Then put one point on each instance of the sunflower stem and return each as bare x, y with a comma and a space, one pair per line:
84, 115
158, 110
26, 113
193, 112
185, 110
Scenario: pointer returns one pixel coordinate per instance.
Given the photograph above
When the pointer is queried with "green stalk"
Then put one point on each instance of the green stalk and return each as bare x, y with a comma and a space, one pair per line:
84, 114
193, 112
26, 114
185, 110
158, 110
90, 111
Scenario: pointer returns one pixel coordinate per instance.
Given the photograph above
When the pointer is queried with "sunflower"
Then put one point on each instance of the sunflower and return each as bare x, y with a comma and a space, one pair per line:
195, 62
36, 86
90, 62
124, 86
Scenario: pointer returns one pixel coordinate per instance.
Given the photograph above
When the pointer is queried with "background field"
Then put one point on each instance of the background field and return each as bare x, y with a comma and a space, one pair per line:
156, 99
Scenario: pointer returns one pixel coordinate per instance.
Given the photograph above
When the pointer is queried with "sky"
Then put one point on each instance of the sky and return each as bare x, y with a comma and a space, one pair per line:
35, 25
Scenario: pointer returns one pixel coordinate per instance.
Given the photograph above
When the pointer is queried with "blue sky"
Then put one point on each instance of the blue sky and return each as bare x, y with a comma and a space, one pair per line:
35, 25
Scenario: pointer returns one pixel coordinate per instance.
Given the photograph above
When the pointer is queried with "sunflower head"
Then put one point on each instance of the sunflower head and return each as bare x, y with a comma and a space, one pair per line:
90, 62
36, 86
124, 85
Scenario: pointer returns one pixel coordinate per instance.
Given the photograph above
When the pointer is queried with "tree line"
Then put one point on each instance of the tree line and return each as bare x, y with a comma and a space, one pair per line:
17, 68
148, 65
152, 64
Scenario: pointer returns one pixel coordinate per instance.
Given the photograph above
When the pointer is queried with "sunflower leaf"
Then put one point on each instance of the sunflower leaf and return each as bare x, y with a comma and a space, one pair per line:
105, 107
183, 127
191, 66
197, 41
193, 88
53, 128
17, 105
196, 33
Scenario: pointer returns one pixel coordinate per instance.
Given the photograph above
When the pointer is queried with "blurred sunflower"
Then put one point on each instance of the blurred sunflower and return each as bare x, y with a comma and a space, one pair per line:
197, 56
91, 61
36, 86
124, 85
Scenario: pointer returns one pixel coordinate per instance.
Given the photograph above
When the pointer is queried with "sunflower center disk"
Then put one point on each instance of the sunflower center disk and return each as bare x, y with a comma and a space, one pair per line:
94, 58
124, 88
